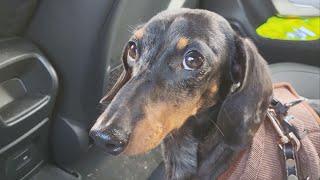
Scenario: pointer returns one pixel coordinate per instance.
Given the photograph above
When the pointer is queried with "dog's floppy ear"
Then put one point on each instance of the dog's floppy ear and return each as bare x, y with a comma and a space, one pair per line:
245, 106
122, 80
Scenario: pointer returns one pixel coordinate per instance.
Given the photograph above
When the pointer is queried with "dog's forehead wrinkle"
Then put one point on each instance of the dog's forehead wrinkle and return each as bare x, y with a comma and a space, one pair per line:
175, 27
178, 27
155, 30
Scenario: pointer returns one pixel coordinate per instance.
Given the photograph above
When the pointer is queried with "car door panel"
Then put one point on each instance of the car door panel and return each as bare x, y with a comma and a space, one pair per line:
28, 87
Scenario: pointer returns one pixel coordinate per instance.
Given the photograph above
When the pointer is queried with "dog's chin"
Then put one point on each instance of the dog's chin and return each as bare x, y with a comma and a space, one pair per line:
136, 150
142, 146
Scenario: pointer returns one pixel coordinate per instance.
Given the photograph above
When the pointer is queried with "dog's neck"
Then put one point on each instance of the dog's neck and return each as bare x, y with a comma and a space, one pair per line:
180, 150
197, 148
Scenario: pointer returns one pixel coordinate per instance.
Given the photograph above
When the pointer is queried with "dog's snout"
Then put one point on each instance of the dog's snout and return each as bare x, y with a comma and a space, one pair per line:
109, 141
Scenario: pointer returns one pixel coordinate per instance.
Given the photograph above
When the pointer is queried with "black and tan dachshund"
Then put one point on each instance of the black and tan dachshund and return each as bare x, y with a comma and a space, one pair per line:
191, 84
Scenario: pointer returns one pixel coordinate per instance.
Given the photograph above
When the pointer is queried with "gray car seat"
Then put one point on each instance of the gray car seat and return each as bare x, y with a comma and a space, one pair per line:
304, 78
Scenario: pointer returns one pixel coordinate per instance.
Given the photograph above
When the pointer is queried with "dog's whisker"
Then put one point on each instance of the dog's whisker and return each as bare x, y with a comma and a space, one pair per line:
130, 31
214, 123
131, 27
101, 107
217, 127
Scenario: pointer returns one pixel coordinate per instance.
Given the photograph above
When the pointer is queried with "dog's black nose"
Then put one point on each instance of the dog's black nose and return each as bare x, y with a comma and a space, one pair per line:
108, 141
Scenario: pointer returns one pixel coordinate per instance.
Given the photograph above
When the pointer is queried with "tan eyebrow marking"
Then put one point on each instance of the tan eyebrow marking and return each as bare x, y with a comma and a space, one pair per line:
182, 43
139, 33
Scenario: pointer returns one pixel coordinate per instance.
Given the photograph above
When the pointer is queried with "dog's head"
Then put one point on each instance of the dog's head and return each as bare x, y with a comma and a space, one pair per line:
177, 64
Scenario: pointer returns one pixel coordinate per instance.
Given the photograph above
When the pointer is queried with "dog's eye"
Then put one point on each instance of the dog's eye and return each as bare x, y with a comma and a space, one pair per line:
132, 51
192, 60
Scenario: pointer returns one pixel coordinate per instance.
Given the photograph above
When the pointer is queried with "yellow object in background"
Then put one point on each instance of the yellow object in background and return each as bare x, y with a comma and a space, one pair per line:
295, 29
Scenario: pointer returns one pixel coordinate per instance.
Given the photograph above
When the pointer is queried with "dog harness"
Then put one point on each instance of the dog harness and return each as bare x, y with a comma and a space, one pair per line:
287, 144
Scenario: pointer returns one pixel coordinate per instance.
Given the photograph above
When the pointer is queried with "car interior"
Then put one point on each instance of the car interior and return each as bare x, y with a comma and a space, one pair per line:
58, 58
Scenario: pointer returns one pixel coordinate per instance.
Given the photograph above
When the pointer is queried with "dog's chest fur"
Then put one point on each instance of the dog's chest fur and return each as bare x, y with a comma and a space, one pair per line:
190, 149
180, 155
